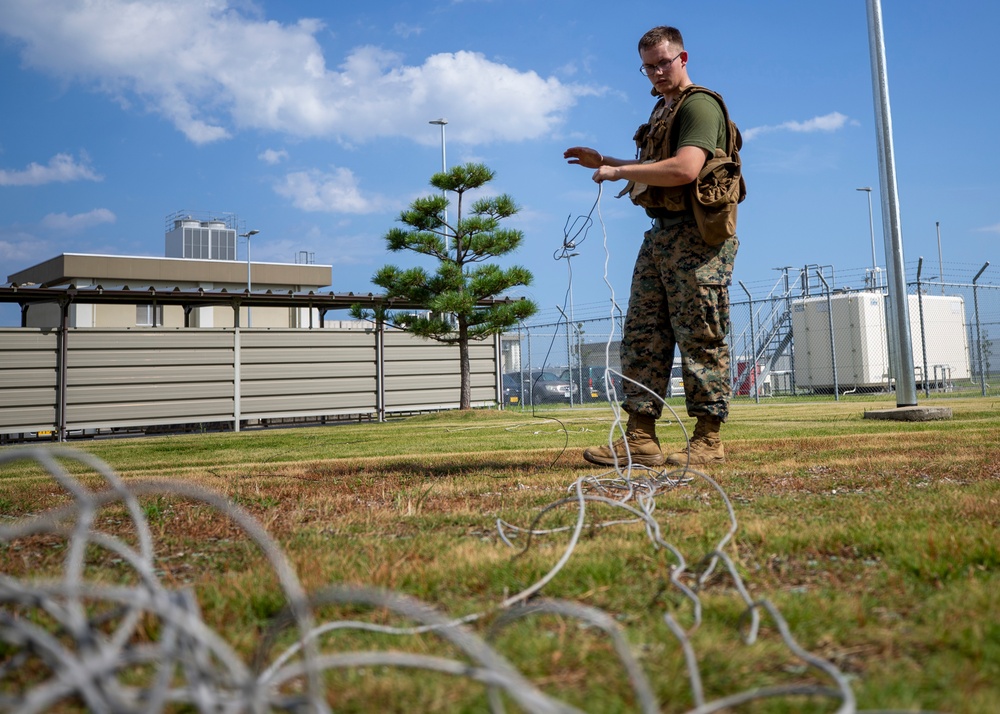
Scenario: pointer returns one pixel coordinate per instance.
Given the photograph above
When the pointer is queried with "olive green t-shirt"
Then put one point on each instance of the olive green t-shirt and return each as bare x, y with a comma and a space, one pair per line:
700, 122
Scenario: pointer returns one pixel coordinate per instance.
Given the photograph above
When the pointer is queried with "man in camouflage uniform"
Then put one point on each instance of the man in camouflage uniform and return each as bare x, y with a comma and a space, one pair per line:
680, 284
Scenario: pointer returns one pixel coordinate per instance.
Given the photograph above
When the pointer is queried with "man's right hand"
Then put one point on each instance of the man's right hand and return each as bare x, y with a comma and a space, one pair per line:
584, 156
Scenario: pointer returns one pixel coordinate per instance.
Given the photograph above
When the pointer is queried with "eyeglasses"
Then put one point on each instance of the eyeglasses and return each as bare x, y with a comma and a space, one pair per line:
651, 69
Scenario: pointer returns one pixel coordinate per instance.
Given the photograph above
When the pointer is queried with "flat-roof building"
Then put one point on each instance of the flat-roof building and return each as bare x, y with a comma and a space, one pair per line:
201, 254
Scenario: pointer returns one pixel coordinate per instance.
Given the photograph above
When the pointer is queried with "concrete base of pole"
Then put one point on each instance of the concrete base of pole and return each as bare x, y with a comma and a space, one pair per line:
914, 413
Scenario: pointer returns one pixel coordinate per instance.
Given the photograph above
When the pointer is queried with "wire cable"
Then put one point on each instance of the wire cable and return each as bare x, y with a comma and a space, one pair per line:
78, 636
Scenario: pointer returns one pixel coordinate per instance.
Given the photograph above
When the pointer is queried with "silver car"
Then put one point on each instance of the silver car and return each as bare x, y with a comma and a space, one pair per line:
543, 386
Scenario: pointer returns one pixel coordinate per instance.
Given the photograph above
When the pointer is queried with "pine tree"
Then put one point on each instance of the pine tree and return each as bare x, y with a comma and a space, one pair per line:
453, 293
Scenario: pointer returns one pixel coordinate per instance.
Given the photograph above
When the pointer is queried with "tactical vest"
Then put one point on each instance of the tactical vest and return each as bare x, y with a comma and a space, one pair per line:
719, 186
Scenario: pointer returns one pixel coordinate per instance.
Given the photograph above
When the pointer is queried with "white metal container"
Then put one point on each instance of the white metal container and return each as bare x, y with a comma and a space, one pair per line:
948, 355
859, 340
859, 329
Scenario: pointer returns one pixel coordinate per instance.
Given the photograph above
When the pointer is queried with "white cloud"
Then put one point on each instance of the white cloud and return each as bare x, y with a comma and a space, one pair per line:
61, 168
212, 70
828, 122
272, 156
78, 222
334, 192
330, 242
995, 228
18, 249
404, 30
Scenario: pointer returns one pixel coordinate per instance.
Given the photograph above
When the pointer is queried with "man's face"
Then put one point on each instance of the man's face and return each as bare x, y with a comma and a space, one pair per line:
664, 66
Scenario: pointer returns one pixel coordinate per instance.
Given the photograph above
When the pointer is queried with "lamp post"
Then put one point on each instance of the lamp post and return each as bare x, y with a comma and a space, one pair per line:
247, 236
444, 167
892, 234
871, 229
937, 225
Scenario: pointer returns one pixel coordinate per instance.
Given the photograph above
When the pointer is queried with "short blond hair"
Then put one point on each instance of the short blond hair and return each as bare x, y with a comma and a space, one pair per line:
659, 35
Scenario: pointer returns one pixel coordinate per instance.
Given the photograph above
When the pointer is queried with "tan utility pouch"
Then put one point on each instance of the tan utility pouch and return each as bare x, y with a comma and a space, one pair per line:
715, 195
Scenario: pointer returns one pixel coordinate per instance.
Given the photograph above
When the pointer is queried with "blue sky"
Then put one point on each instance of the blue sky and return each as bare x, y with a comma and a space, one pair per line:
309, 120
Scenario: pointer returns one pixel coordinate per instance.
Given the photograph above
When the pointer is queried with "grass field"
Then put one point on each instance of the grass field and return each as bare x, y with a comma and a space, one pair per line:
877, 541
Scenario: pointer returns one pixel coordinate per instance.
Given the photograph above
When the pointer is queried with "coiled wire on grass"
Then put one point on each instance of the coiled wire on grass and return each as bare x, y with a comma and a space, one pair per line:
75, 638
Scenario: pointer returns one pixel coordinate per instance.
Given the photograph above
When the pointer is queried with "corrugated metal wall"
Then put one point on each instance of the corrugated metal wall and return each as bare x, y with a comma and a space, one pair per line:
28, 379
425, 375
161, 376
118, 377
305, 373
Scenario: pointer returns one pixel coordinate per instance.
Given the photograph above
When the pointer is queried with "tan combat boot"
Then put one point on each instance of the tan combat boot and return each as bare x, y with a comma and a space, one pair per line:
639, 446
706, 445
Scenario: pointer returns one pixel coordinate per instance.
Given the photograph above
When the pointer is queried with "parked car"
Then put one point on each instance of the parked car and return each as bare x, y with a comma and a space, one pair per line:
573, 378
589, 392
510, 388
543, 386
600, 390
676, 386
594, 384
595, 389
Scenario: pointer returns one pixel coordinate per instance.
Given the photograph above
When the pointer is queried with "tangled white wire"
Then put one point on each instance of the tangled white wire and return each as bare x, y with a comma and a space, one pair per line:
83, 639
91, 647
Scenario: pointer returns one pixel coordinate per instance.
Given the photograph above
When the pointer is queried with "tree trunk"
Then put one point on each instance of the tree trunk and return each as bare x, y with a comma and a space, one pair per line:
465, 368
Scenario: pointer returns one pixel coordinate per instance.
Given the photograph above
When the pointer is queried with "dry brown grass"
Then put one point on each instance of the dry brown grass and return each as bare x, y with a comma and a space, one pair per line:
876, 540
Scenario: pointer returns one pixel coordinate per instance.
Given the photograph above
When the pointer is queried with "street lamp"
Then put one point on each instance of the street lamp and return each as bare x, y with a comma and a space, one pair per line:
871, 228
247, 236
937, 225
444, 167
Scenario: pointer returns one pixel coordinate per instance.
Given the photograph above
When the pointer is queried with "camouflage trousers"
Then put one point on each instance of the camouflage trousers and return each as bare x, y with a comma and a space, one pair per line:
679, 298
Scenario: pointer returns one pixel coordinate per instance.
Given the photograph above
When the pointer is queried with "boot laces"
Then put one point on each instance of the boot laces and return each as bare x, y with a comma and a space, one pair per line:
622, 441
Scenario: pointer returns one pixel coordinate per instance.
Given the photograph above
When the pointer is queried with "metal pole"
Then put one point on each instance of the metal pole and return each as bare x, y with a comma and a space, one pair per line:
791, 346
569, 357
569, 267
979, 334
731, 339
249, 318
753, 346
923, 330
899, 318
498, 369
62, 371
444, 168
531, 383
871, 230
833, 345
248, 235
579, 354
237, 375
520, 366
380, 409
937, 225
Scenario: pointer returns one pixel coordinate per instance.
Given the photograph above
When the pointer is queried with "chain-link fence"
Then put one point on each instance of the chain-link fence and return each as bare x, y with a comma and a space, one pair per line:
808, 335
